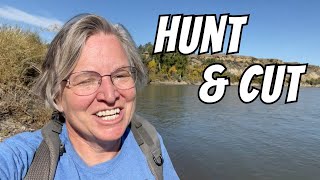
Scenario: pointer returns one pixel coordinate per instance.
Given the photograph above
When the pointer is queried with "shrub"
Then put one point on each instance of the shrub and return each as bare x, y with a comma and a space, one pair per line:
21, 52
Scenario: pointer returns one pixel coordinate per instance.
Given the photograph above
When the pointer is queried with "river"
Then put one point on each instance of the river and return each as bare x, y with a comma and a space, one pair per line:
231, 140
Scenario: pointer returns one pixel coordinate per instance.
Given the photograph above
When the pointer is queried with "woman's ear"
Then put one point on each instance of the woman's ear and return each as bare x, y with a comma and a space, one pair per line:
58, 101
58, 98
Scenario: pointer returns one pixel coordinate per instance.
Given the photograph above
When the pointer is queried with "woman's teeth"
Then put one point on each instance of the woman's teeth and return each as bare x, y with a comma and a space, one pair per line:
110, 117
108, 114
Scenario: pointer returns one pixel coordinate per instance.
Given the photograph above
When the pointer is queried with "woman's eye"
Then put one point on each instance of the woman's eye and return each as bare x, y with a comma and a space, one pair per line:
85, 82
122, 75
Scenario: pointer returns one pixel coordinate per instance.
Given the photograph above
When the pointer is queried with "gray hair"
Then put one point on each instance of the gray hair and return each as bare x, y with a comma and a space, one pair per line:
64, 52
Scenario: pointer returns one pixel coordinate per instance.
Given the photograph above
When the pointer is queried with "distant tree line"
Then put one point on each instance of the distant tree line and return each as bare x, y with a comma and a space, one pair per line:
177, 67
164, 66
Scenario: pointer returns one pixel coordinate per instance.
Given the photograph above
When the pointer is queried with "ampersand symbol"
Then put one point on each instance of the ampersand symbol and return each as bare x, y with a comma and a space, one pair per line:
219, 84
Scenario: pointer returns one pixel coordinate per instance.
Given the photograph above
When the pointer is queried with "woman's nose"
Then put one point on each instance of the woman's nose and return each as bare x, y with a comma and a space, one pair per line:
107, 91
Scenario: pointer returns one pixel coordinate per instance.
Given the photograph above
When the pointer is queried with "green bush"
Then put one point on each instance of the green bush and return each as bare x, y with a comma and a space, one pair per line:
313, 81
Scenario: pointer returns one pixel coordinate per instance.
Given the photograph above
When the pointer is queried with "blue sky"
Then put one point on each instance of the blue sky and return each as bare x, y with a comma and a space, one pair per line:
286, 30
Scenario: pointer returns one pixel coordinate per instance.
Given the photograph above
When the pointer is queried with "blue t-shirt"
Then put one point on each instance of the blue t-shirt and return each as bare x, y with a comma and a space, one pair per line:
16, 154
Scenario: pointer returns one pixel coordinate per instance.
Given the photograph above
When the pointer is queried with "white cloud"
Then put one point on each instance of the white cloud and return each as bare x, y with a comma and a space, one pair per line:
48, 24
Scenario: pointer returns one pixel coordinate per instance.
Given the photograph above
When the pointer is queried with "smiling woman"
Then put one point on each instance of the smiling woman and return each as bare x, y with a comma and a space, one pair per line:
90, 75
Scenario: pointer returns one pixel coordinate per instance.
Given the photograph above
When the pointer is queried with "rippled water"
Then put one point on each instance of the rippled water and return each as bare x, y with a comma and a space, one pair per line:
233, 140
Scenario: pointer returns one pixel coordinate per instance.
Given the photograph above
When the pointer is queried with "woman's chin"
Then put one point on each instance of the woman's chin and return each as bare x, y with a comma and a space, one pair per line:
109, 134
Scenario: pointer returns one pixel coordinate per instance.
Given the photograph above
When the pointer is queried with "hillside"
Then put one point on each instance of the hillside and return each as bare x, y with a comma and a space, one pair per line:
236, 65
174, 68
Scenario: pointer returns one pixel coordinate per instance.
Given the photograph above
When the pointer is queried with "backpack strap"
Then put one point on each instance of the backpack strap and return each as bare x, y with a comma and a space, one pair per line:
46, 158
148, 140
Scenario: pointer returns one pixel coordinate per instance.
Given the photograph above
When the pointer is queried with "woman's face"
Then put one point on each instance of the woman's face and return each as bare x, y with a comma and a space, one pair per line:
86, 115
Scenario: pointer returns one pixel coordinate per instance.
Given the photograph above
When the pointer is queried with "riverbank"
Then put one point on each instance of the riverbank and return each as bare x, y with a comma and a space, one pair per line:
199, 83
169, 82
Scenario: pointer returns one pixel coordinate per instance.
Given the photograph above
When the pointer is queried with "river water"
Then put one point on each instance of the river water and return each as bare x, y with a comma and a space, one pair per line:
231, 140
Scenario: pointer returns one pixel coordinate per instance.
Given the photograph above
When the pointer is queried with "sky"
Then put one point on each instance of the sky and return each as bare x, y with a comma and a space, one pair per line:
278, 29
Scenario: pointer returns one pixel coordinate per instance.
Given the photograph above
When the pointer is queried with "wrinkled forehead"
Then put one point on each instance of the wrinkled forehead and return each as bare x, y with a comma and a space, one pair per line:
102, 53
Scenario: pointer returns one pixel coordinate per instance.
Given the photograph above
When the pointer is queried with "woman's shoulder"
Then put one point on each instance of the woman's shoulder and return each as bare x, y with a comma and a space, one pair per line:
16, 154
25, 139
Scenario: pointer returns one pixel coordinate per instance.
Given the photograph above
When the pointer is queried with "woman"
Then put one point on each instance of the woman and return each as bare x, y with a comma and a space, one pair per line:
90, 75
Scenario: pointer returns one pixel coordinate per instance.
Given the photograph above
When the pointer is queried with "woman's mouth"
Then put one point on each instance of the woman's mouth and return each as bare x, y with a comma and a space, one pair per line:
109, 115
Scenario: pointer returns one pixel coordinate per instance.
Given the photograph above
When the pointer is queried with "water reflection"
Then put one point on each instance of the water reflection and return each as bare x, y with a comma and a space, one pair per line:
233, 140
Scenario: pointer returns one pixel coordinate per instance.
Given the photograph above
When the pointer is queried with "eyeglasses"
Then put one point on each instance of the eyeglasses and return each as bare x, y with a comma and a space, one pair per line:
85, 83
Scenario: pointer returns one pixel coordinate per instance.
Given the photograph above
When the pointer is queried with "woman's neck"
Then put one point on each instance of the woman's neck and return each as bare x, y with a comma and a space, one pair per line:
92, 152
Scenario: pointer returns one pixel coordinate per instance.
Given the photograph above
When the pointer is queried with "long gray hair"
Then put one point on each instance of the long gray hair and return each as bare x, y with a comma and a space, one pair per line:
64, 52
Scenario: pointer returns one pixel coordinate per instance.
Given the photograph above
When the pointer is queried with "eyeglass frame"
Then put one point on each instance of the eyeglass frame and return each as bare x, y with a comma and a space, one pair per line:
132, 71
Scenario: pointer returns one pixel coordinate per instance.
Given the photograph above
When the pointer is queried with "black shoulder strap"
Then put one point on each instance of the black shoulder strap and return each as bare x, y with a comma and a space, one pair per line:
148, 140
46, 158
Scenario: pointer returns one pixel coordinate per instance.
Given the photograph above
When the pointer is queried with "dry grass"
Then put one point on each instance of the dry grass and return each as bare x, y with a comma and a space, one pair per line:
20, 53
